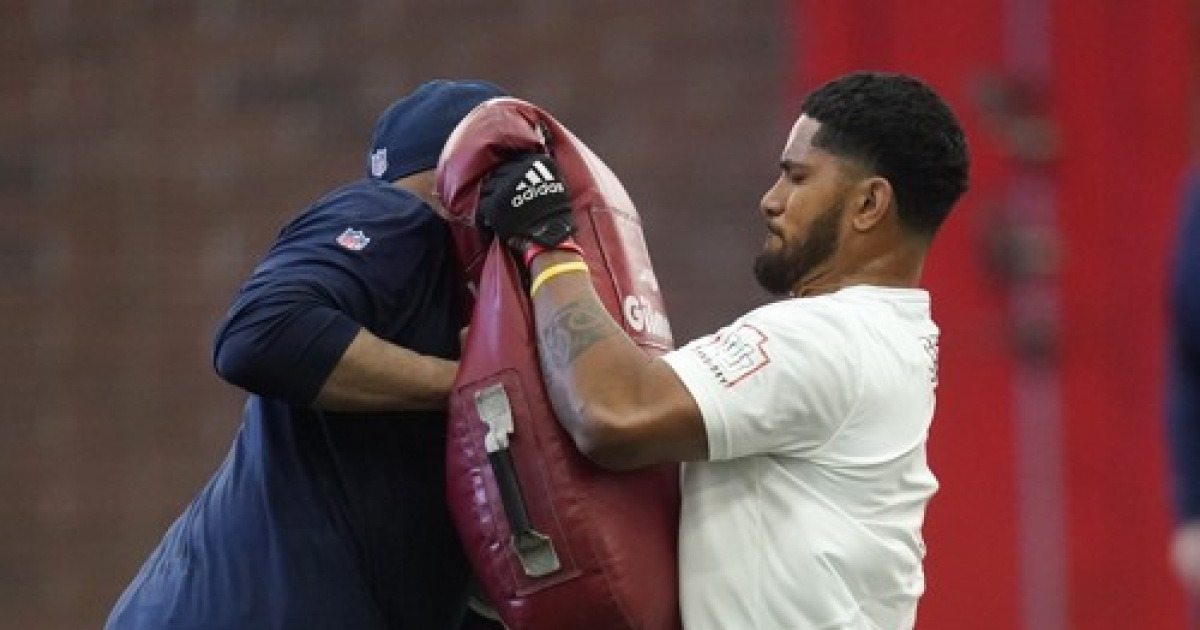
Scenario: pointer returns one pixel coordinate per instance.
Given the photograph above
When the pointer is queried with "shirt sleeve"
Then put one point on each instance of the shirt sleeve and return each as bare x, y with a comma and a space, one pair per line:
1183, 401
329, 274
780, 380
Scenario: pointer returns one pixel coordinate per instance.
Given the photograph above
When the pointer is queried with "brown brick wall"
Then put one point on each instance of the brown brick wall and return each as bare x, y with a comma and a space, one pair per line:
149, 150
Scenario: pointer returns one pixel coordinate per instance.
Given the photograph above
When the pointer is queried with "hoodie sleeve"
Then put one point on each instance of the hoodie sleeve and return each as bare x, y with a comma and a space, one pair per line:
340, 267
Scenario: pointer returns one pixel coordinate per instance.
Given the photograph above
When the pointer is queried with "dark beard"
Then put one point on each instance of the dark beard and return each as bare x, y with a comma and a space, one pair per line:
779, 271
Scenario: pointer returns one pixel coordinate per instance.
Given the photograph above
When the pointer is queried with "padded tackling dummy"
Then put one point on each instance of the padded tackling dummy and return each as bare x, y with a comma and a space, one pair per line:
556, 542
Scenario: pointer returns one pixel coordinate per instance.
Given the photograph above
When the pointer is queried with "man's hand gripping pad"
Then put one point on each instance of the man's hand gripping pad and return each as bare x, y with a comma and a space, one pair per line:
556, 541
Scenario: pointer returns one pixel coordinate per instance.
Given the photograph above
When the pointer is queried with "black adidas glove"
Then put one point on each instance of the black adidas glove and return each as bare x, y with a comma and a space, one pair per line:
525, 201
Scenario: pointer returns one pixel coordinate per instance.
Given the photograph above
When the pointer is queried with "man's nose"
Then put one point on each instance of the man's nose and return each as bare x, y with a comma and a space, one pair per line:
771, 204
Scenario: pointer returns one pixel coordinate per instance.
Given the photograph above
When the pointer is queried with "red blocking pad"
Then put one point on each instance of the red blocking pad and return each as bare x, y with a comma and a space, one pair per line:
555, 541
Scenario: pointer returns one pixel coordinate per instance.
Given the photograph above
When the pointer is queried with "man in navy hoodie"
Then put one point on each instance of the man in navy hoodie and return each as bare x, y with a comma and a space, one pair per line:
329, 510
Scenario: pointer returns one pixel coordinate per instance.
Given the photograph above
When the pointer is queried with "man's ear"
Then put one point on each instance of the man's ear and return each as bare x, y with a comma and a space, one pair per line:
875, 199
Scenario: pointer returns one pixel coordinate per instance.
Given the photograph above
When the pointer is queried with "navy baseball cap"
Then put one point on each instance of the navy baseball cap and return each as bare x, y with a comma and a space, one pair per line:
411, 132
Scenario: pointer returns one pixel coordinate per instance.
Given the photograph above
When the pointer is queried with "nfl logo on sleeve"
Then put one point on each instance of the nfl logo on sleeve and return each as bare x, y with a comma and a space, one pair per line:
353, 240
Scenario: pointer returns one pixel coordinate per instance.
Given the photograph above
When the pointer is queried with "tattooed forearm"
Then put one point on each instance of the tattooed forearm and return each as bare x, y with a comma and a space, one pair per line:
576, 326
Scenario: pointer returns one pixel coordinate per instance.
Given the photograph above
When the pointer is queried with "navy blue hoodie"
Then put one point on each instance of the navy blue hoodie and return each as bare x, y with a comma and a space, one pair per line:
316, 519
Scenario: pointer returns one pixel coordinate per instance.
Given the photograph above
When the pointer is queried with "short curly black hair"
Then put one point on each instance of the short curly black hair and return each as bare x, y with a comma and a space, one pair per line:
900, 129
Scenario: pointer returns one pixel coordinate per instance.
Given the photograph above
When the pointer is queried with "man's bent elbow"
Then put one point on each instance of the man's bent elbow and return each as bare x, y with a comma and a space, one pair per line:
605, 440
233, 363
239, 361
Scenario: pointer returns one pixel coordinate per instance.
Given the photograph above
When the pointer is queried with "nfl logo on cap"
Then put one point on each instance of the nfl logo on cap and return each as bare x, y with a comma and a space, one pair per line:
378, 162
353, 240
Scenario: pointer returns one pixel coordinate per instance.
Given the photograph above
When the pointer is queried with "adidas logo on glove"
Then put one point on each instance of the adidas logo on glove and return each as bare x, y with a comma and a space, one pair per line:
538, 181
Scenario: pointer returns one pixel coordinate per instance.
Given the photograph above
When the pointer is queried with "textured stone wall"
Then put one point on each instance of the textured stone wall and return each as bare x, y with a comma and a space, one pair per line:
149, 150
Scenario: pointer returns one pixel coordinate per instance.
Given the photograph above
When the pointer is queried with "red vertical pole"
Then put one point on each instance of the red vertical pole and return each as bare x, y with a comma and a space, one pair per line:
1034, 311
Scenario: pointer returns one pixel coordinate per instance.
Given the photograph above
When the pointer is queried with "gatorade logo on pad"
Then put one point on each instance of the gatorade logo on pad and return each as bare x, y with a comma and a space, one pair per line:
641, 316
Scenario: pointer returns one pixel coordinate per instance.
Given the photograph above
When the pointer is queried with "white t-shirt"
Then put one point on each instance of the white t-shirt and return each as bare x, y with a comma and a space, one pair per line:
809, 512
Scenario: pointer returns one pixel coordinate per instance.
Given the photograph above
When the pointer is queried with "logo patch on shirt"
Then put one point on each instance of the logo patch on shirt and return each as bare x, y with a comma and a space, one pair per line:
353, 240
734, 355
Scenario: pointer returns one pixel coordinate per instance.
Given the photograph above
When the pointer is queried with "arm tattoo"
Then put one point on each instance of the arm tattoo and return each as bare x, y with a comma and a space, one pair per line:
576, 326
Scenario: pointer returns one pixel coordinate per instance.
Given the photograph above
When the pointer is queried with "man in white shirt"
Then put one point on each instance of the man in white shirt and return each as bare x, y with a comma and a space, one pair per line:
802, 425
